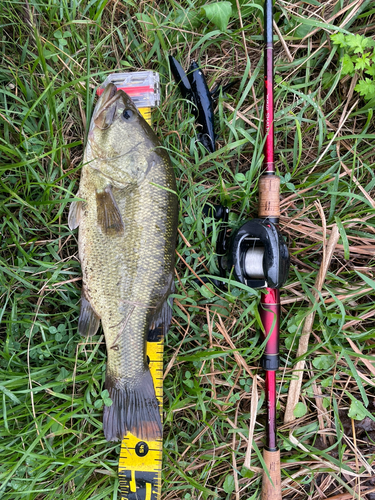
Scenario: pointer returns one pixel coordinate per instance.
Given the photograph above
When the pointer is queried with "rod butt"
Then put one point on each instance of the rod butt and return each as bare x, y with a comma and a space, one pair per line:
271, 491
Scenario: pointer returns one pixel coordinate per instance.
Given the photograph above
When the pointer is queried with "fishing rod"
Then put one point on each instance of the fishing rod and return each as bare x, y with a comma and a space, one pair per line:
260, 259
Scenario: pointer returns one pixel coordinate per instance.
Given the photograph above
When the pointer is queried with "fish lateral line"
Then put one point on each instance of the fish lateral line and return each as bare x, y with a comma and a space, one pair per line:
121, 331
112, 158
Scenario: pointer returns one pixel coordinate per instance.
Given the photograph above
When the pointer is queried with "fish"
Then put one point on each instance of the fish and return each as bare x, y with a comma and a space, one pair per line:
127, 215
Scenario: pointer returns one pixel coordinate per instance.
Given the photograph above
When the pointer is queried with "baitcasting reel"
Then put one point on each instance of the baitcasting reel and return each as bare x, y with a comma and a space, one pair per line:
256, 251
259, 255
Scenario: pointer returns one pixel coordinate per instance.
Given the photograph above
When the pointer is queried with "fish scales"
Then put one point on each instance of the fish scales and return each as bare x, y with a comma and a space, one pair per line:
127, 232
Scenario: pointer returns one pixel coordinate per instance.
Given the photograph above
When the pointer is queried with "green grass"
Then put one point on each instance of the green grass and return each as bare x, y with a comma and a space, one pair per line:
54, 54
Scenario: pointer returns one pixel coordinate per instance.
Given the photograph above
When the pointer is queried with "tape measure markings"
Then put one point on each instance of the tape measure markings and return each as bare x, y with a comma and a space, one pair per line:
140, 460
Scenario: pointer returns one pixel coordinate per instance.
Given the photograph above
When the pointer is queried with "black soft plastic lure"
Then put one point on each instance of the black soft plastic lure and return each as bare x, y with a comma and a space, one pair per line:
193, 87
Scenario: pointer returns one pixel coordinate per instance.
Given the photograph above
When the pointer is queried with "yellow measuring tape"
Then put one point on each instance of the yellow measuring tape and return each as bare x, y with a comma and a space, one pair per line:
146, 113
140, 461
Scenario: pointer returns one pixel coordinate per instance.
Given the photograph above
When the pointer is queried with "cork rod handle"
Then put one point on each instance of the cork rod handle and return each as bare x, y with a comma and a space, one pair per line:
271, 491
269, 196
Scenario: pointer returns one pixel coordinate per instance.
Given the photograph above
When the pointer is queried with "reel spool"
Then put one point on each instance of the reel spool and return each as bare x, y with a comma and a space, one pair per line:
259, 255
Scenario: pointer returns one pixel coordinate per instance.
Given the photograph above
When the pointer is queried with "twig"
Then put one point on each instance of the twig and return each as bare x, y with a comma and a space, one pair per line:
240, 360
354, 6
253, 412
349, 496
234, 461
358, 184
296, 383
212, 376
281, 38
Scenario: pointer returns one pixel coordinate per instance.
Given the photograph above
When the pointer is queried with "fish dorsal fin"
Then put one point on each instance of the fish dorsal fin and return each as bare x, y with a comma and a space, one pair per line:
108, 213
75, 213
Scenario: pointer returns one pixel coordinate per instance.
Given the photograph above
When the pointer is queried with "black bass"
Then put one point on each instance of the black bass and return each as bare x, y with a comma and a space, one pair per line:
127, 232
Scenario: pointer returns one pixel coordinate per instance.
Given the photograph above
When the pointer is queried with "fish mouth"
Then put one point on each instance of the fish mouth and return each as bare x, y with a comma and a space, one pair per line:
109, 109
105, 109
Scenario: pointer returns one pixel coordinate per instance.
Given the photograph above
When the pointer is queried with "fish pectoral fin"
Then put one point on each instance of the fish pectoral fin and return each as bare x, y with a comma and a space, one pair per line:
134, 409
160, 322
108, 214
89, 321
75, 214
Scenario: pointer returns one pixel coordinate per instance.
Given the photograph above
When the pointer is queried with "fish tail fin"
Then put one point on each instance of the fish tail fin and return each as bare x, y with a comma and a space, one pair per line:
134, 409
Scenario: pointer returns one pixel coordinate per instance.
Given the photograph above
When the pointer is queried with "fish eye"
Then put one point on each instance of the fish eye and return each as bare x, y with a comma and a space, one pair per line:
127, 114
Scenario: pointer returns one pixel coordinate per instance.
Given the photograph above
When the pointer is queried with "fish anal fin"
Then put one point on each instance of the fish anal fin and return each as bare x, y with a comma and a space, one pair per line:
134, 409
75, 214
160, 322
108, 214
89, 321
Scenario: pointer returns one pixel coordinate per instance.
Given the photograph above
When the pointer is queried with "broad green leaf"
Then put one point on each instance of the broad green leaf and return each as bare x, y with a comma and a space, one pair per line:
63, 374
327, 382
207, 290
228, 485
357, 43
366, 88
218, 13
339, 39
300, 410
323, 362
187, 18
357, 410
371, 71
289, 342
347, 65
247, 473
362, 62
326, 403
240, 177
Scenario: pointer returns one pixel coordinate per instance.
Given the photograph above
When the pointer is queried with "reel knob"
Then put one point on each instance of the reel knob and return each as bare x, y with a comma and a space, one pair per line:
259, 255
